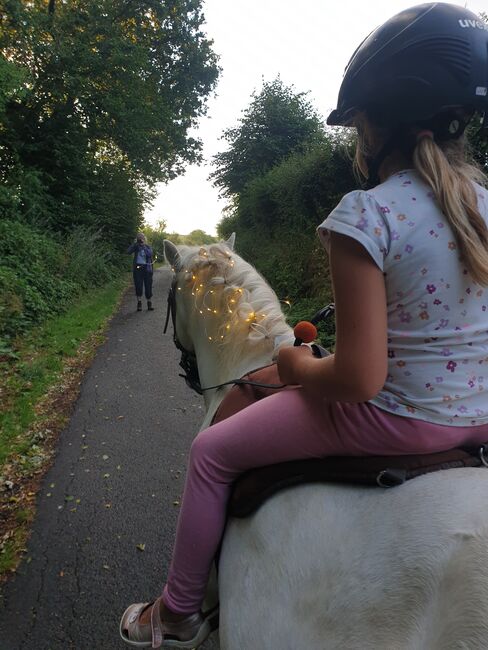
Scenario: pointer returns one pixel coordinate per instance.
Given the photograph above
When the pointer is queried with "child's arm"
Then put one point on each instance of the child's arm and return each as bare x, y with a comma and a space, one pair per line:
357, 370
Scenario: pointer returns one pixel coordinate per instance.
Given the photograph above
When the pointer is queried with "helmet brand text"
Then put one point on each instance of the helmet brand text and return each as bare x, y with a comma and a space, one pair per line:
468, 22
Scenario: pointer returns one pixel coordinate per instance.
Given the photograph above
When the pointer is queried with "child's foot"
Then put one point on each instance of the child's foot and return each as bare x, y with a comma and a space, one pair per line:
139, 305
142, 625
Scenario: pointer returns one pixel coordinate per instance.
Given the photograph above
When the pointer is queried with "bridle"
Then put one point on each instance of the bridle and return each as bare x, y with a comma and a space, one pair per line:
188, 361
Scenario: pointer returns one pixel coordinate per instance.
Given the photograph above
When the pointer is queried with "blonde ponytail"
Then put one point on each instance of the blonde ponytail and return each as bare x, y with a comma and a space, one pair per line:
451, 178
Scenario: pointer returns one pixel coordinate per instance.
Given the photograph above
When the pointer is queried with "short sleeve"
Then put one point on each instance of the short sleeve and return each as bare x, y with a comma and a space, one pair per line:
359, 216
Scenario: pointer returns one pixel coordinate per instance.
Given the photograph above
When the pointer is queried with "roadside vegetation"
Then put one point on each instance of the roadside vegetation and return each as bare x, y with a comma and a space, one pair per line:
97, 100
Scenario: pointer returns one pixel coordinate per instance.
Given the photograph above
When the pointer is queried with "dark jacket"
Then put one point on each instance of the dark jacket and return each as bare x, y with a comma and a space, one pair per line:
134, 248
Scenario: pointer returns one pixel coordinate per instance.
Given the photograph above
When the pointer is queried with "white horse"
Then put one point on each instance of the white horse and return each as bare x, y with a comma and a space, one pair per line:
323, 566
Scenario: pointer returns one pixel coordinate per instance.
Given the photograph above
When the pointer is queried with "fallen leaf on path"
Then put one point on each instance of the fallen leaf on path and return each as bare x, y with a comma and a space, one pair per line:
141, 547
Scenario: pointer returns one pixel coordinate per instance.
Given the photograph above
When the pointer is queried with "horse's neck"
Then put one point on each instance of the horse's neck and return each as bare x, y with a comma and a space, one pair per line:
215, 368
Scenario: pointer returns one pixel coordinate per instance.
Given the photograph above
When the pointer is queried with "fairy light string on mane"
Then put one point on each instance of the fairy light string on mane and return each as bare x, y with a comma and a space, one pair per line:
225, 308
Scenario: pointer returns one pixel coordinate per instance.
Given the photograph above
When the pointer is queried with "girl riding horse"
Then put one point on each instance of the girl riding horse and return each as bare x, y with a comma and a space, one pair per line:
407, 374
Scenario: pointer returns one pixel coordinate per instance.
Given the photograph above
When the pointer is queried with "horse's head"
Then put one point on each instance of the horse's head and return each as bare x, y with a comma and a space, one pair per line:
223, 310
196, 270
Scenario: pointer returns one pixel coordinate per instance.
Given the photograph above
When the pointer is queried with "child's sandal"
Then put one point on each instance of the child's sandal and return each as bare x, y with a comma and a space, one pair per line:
190, 632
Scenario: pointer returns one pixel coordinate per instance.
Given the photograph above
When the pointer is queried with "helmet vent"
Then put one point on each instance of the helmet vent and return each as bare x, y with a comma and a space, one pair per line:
451, 52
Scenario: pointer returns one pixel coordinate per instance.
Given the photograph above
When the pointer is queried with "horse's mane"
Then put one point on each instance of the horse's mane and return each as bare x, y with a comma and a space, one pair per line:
234, 301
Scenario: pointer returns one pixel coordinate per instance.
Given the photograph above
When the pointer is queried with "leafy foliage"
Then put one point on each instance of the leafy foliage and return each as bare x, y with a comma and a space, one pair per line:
96, 101
278, 213
97, 98
277, 122
283, 173
40, 275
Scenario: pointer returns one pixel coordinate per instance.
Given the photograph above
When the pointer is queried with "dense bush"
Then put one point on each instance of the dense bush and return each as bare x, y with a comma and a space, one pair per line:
40, 273
277, 216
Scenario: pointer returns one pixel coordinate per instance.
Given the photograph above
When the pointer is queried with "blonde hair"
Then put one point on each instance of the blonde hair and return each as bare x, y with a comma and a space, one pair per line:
451, 178
444, 167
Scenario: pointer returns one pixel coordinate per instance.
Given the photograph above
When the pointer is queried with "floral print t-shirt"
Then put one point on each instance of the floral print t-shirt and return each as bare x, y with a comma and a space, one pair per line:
437, 314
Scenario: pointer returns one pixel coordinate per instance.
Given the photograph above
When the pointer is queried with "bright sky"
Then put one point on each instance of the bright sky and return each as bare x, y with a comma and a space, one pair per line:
308, 44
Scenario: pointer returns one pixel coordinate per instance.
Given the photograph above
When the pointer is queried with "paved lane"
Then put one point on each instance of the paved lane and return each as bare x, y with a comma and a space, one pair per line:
107, 508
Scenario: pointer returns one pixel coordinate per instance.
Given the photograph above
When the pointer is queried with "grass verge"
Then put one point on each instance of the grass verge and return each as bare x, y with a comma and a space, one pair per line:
37, 390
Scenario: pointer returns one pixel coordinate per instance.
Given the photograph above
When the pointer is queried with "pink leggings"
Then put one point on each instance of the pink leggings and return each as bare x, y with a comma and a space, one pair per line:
286, 426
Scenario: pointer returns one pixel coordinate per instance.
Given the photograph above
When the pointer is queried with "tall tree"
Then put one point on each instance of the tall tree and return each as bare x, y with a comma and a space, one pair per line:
278, 122
112, 88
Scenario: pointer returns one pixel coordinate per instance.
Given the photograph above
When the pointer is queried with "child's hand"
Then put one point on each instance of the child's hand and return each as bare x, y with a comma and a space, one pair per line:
292, 361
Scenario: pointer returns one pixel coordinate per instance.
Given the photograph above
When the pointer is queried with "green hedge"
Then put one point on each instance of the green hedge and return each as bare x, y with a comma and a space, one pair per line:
40, 273
277, 216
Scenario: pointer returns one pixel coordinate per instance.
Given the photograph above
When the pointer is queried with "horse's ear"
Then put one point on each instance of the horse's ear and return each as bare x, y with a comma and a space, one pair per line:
171, 254
231, 241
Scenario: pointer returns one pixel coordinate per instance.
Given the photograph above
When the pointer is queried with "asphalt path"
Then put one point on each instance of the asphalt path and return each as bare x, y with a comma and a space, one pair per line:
107, 509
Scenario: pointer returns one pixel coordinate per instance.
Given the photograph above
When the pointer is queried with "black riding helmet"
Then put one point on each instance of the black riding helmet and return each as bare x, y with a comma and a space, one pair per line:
425, 62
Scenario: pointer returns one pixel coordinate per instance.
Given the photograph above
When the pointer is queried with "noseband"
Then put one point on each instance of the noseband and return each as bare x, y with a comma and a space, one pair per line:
188, 361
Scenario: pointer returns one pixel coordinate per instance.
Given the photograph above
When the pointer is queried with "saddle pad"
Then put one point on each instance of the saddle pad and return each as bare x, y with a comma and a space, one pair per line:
255, 486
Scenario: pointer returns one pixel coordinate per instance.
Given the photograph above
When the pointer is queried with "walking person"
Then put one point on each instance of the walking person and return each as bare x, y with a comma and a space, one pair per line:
407, 373
142, 270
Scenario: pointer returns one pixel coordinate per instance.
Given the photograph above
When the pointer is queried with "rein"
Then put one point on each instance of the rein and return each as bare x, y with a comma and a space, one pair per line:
188, 359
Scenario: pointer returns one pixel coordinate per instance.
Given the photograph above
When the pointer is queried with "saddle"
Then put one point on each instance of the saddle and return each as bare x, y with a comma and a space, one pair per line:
255, 486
